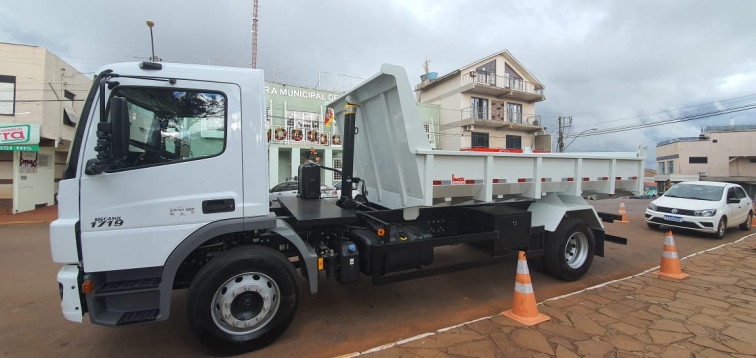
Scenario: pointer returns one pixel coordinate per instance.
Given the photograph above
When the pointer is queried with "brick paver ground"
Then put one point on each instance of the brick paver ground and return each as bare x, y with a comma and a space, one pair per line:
710, 314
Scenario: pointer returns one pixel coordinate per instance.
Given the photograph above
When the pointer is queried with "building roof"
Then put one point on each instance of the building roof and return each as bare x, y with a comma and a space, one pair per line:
710, 129
506, 54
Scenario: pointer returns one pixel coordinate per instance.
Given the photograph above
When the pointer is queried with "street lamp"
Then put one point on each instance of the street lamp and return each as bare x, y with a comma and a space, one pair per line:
578, 135
150, 24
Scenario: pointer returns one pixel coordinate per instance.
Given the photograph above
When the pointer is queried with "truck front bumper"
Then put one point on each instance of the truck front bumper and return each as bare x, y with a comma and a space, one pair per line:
68, 281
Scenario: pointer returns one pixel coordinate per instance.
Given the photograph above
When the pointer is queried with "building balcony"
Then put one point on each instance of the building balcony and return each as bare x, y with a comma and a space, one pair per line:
501, 87
301, 137
499, 119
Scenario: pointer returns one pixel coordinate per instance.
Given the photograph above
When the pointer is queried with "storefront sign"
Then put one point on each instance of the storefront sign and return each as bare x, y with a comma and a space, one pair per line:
19, 137
19, 148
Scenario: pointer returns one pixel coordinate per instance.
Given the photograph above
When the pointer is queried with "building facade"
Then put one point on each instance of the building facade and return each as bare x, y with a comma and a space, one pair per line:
489, 104
720, 153
40, 99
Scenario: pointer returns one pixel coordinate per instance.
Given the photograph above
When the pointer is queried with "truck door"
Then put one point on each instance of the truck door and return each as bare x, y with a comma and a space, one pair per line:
183, 170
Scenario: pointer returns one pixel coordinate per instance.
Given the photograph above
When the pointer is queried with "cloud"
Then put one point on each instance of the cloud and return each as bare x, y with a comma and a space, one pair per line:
605, 64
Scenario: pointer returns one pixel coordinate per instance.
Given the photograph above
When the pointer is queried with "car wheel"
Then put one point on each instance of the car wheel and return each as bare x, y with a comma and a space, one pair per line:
721, 229
653, 226
749, 221
568, 252
242, 300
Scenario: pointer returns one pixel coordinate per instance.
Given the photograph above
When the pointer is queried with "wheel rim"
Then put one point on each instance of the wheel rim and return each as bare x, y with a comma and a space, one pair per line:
749, 221
245, 303
576, 250
722, 228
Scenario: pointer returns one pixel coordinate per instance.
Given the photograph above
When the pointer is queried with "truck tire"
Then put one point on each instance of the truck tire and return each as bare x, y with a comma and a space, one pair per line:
568, 251
242, 300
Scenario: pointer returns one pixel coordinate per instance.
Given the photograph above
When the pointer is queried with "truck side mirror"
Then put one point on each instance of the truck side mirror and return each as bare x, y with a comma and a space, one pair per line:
112, 138
119, 128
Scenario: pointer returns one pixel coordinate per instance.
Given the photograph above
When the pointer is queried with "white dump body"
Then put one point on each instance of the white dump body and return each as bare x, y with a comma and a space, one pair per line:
393, 156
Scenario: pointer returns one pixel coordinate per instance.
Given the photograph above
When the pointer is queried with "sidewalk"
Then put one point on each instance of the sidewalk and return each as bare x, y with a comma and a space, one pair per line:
710, 314
42, 215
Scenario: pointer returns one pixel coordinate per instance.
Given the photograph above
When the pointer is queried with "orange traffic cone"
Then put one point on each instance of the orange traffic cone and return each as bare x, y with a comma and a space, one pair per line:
670, 263
622, 212
524, 309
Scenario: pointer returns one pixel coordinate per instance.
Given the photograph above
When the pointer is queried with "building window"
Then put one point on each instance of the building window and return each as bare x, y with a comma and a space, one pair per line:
514, 80
486, 73
428, 132
7, 95
479, 140
514, 112
671, 167
306, 121
338, 163
479, 108
514, 142
698, 160
661, 168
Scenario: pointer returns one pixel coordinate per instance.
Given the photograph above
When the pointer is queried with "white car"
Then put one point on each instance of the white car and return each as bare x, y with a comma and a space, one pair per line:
710, 207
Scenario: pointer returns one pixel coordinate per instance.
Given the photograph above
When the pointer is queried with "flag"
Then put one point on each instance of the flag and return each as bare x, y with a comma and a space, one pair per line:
329, 117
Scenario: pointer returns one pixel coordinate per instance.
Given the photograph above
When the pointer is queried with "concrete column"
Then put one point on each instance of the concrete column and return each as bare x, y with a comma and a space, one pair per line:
272, 166
328, 161
295, 161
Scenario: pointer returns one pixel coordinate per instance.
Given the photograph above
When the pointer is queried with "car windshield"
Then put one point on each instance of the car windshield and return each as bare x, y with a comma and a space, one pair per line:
695, 191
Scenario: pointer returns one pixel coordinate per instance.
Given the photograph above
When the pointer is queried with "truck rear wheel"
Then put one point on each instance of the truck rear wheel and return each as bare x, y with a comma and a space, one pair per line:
242, 300
568, 252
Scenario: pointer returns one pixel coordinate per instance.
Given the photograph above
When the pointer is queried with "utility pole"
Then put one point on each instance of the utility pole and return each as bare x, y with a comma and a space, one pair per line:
254, 35
560, 136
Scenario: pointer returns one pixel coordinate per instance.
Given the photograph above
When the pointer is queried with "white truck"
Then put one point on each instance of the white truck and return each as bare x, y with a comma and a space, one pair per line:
166, 188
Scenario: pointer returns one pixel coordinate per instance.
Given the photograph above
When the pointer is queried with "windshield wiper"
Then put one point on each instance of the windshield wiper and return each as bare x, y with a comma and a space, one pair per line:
699, 198
672, 196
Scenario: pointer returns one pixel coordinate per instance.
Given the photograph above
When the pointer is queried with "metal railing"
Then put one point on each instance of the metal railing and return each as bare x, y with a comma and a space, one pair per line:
500, 116
500, 81
288, 135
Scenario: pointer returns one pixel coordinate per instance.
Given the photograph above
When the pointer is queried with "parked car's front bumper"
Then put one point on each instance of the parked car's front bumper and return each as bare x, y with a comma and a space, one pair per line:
700, 223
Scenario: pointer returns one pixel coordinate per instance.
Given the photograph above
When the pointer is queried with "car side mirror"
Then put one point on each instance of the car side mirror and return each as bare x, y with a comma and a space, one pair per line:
733, 201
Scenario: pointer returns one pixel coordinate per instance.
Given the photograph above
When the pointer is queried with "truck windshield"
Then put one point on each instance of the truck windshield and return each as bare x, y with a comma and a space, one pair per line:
695, 191
168, 125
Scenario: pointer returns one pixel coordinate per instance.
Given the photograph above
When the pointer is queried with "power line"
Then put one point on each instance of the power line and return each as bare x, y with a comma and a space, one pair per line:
670, 121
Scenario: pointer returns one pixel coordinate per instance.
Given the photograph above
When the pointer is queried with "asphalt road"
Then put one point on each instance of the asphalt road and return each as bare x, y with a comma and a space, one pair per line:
340, 319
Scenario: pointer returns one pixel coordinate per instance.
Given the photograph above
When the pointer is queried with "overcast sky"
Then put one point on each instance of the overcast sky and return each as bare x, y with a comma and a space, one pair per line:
604, 63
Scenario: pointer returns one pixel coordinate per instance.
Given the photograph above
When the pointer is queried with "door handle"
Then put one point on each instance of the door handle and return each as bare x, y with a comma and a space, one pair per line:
218, 206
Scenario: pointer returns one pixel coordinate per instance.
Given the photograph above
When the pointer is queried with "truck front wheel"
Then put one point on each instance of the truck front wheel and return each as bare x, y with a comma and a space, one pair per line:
242, 300
568, 252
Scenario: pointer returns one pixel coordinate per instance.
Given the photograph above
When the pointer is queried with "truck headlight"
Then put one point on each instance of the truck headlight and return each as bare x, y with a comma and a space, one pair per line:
706, 212
652, 206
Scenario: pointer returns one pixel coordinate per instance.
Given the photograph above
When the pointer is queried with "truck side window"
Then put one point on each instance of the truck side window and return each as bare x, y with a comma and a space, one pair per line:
168, 125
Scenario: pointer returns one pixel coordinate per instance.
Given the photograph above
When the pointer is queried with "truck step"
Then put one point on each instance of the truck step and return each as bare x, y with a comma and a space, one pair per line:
138, 317
129, 285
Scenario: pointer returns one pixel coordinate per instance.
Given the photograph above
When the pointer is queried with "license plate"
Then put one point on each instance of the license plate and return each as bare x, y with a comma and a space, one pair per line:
673, 218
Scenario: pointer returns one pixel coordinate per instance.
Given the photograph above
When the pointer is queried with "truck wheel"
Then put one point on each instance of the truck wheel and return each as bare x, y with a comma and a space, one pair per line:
568, 251
721, 229
243, 299
749, 221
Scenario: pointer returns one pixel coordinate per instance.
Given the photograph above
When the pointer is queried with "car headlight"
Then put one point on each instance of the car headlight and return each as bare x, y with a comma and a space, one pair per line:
706, 212
652, 206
